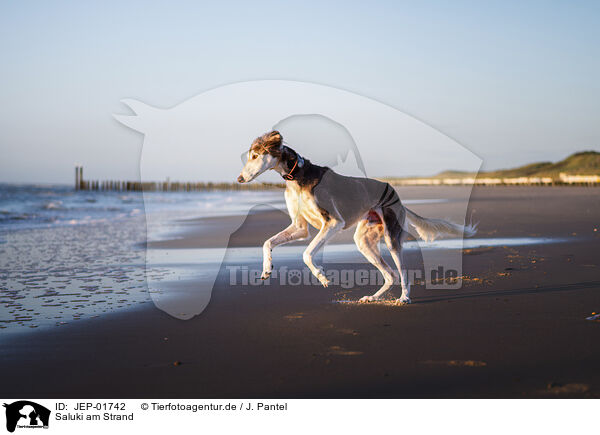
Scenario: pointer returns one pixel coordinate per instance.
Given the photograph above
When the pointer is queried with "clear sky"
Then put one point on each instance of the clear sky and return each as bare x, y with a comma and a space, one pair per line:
514, 82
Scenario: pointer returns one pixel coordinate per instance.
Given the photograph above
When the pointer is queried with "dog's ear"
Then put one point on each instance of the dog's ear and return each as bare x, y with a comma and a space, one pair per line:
273, 139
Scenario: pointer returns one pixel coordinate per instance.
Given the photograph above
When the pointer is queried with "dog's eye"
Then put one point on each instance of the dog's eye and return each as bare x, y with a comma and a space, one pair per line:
254, 156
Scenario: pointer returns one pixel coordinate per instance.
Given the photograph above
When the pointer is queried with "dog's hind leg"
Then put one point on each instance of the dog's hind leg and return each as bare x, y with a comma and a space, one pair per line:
367, 237
394, 237
395, 247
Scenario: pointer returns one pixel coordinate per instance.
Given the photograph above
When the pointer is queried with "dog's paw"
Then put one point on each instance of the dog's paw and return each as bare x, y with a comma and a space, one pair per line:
323, 280
404, 300
265, 275
368, 299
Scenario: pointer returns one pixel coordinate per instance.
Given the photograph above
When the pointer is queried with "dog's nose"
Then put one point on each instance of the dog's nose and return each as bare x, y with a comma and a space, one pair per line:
241, 179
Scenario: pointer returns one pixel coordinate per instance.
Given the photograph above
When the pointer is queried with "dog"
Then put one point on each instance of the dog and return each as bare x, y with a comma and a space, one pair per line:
317, 196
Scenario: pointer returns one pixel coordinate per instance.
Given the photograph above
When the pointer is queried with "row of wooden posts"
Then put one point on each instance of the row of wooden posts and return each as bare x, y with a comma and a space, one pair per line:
176, 186
163, 186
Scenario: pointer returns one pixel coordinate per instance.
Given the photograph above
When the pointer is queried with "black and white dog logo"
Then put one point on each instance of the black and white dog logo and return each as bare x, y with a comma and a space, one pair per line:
26, 414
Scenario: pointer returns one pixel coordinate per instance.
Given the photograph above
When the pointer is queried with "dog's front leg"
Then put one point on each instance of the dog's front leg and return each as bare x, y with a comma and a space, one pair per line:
327, 232
296, 231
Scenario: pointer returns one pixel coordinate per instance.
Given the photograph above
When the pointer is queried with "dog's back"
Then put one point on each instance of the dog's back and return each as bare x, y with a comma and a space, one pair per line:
351, 197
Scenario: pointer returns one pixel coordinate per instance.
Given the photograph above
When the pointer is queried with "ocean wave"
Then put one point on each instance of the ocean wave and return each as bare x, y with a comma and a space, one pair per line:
127, 199
81, 221
53, 205
21, 217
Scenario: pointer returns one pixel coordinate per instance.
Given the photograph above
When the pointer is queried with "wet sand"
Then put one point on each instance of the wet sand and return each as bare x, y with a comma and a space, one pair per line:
517, 328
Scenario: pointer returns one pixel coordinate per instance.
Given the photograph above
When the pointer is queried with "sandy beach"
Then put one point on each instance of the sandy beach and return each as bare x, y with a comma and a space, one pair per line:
517, 327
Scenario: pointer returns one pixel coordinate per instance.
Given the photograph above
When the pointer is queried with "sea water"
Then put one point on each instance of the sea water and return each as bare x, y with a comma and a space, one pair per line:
67, 255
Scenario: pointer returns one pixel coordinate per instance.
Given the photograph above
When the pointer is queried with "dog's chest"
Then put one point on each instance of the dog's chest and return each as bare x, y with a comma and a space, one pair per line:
302, 202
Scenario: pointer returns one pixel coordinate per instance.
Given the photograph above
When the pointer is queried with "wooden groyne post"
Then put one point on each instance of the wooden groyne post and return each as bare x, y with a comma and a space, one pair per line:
79, 184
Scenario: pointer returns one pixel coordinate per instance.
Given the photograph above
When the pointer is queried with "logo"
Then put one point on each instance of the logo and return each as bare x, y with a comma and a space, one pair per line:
26, 414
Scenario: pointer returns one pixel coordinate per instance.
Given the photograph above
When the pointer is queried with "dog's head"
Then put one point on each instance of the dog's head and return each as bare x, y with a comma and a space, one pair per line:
264, 154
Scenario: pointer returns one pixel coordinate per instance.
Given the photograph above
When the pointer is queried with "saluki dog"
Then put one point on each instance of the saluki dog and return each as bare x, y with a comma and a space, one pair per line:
317, 196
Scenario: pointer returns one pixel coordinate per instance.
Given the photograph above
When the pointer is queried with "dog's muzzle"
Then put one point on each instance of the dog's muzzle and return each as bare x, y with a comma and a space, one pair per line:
241, 179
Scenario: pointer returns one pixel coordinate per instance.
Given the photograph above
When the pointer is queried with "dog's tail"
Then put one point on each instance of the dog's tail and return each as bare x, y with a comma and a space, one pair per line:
431, 229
